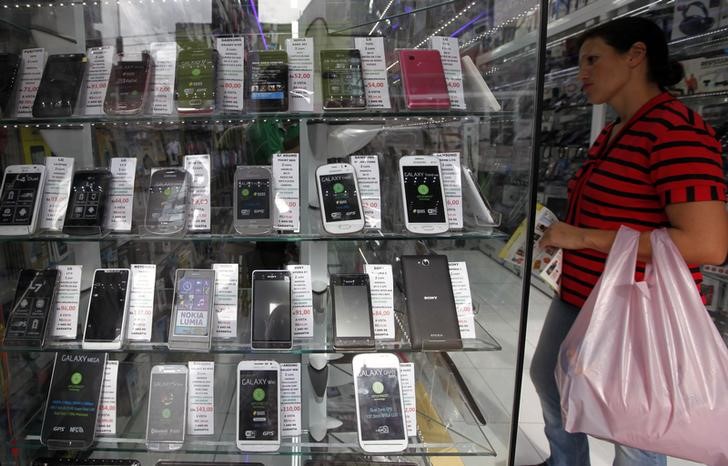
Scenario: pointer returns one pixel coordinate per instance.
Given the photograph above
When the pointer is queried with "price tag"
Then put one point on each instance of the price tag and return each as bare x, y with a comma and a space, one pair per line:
141, 302
31, 72
59, 172
450, 55
463, 299
290, 399
287, 203
301, 301
69, 291
374, 71
100, 60
453, 186
201, 398
367, 177
121, 194
407, 379
106, 419
226, 301
300, 74
164, 55
382, 293
198, 213
231, 70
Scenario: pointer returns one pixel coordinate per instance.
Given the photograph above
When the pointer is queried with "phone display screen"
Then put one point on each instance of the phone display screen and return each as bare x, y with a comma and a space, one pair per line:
196, 77
351, 303
28, 317
167, 403
272, 307
253, 198
167, 198
269, 76
423, 195
258, 405
340, 197
18, 198
192, 304
88, 197
380, 406
106, 308
127, 85
59, 86
343, 85
73, 400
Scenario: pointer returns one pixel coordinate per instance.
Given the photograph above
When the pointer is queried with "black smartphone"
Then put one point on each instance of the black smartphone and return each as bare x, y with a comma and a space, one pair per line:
106, 317
69, 420
59, 86
35, 298
196, 80
271, 315
167, 200
353, 321
268, 89
10, 64
87, 203
342, 80
433, 319
128, 85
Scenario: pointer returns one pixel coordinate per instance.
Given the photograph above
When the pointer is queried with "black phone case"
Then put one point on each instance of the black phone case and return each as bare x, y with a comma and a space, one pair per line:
433, 320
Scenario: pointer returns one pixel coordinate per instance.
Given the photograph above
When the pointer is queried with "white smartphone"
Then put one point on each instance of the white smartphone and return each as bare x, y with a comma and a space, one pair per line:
338, 192
20, 197
380, 417
423, 198
167, 410
258, 426
253, 200
478, 94
108, 306
192, 310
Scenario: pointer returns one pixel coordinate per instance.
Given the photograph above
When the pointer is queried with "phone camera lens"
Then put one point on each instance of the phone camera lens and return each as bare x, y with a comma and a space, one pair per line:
426, 262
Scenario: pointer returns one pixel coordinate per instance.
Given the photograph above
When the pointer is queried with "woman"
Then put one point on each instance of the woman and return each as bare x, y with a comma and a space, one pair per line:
658, 165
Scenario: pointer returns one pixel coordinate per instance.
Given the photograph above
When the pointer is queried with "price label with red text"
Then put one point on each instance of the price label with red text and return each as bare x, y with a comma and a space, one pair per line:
463, 298
106, 419
300, 74
374, 71
100, 60
287, 200
141, 302
301, 300
382, 294
69, 292
31, 72
290, 399
452, 184
225, 324
367, 177
164, 55
230, 71
121, 193
198, 213
450, 55
201, 398
59, 172
407, 381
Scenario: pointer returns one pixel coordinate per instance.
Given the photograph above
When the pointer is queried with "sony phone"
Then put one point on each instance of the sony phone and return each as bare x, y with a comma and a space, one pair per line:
338, 191
342, 80
353, 321
196, 80
423, 79
423, 199
59, 86
87, 204
107, 310
192, 310
253, 200
10, 64
271, 316
167, 410
35, 299
258, 426
20, 199
268, 89
128, 86
167, 200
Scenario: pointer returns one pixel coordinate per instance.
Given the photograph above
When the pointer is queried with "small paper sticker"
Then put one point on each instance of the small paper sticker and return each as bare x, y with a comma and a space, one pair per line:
226, 301
407, 377
290, 399
100, 60
367, 177
201, 398
106, 419
230, 51
66, 313
31, 73
374, 71
382, 294
59, 172
121, 194
463, 298
452, 184
300, 74
302, 301
450, 56
198, 214
287, 203
164, 55
141, 302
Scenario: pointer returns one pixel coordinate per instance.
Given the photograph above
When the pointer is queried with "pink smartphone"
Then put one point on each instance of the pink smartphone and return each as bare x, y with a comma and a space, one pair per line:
424, 80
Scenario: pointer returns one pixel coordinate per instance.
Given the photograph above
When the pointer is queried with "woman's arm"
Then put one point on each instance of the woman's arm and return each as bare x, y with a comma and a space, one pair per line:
699, 230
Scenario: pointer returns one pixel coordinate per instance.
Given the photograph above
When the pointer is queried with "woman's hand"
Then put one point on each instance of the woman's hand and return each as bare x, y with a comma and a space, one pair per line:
565, 236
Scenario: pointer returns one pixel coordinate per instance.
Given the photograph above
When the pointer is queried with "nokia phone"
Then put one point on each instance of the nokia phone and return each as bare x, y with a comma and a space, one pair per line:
379, 405
167, 201
423, 79
108, 307
167, 410
128, 87
87, 203
271, 309
258, 426
10, 64
433, 319
35, 299
59, 86
253, 200
352, 303
20, 199
268, 89
342, 80
69, 419
196, 80
338, 192
192, 310
423, 197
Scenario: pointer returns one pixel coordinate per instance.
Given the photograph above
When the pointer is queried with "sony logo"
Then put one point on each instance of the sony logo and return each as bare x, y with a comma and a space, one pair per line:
430, 298
79, 358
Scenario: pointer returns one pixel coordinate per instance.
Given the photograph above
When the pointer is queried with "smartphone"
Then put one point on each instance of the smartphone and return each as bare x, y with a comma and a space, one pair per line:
167, 410
69, 419
423, 79
192, 310
20, 198
167, 200
87, 205
433, 319
342, 80
253, 200
379, 405
258, 414
271, 316
196, 80
34, 301
353, 321
107, 310
338, 192
10, 64
474, 202
59, 86
268, 90
423, 199
128, 87
477, 91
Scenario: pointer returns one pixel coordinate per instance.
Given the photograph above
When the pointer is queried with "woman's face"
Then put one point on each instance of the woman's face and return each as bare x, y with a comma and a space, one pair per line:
603, 71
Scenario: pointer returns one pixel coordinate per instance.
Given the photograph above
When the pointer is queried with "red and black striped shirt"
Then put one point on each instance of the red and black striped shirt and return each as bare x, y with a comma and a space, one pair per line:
665, 154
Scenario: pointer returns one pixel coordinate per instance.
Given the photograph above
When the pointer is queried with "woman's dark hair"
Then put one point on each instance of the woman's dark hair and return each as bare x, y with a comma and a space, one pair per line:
623, 33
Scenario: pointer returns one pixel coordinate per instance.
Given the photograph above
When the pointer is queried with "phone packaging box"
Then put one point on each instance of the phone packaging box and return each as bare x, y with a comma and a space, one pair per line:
704, 75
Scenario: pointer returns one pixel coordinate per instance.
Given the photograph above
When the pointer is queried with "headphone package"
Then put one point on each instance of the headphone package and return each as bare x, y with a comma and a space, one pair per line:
694, 17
